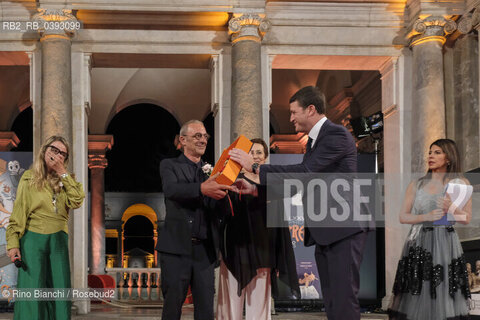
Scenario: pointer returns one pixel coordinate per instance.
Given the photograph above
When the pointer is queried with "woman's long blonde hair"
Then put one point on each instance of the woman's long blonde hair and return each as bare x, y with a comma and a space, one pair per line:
41, 176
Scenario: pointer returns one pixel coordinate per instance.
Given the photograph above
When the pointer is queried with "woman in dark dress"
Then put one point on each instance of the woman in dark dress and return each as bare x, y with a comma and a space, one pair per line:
252, 254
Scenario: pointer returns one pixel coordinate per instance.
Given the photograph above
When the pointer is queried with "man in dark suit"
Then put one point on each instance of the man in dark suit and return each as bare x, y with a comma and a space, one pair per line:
338, 250
188, 241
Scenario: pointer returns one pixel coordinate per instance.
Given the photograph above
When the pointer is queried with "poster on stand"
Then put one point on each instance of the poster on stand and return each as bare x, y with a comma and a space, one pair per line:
12, 167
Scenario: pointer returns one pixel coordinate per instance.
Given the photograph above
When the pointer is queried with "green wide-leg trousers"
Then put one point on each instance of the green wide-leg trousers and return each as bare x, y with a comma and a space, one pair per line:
46, 258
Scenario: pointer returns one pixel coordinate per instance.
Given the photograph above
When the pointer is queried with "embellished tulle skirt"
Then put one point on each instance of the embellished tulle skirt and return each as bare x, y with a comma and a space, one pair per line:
431, 282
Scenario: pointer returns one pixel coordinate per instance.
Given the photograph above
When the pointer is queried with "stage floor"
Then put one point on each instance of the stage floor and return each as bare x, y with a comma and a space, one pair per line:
102, 312
107, 313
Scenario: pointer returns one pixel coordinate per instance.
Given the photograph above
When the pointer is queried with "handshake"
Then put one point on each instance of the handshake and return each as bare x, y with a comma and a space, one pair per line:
213, 189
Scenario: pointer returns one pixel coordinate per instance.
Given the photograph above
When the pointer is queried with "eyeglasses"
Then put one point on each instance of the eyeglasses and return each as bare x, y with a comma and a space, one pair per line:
58, 151
199, 136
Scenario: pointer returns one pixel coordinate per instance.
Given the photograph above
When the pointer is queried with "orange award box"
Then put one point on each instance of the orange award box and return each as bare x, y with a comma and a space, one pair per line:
230, 169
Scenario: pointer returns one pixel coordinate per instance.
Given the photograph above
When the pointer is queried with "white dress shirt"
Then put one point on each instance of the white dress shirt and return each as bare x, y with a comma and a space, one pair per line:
313, 134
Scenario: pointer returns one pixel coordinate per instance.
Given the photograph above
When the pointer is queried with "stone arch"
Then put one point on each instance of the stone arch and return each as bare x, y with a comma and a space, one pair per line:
135, 210
22, 125
169, 88
144, 135
15, 93
20, 108
140, 209
331, 82
117, 110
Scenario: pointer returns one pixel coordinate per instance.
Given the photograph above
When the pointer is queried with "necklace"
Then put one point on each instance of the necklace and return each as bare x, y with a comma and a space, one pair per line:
54, 201
55, 196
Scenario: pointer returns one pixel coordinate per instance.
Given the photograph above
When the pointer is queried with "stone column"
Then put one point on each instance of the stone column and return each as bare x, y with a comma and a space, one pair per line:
427, 39
78, 222
97, 146
246, 32
220, 105
267, 61
462, 90
35, 65
221, 85
120, 247
115, 227
8, 140
473, 158
155, 239
56, 97
397, 110
467, 100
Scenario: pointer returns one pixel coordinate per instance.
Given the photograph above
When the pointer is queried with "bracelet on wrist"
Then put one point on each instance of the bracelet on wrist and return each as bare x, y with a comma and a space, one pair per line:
63, 176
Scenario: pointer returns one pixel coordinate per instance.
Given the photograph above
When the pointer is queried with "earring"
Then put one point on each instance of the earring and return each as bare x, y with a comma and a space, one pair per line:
448, 164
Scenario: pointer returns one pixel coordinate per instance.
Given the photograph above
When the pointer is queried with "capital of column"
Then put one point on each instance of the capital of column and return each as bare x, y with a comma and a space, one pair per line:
475, 19
465, 23
56, 23
97, 147
248, 27
8, 140
431, 29
96, 161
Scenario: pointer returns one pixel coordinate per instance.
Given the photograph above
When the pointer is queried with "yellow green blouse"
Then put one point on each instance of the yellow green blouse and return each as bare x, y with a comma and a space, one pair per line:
34, 210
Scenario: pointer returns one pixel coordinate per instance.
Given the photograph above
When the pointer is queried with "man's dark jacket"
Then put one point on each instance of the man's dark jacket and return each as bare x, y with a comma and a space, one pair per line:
183, 200
334, 151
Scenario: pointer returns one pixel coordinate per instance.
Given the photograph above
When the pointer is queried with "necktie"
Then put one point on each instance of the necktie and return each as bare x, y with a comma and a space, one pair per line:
309, 144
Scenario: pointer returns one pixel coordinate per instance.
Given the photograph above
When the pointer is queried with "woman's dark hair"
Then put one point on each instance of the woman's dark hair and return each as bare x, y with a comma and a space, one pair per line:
263, 143
454, 168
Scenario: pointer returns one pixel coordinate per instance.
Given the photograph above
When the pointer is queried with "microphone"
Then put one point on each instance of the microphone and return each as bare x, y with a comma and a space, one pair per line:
19, 263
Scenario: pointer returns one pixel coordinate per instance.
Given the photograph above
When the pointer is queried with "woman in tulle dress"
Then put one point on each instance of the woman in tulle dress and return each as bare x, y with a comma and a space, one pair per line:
432, 280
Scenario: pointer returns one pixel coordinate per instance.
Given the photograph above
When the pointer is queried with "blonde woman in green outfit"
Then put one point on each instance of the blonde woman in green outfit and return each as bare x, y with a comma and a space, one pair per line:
37, 233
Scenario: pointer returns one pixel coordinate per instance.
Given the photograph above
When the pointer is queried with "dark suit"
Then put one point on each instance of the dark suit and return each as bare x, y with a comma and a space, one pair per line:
188, 240
338, 251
